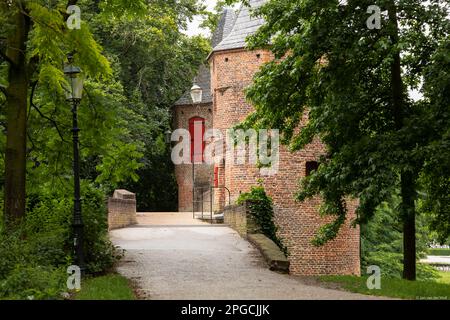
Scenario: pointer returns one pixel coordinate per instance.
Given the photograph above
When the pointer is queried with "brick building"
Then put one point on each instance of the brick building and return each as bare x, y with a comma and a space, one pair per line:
232, 68
194, 181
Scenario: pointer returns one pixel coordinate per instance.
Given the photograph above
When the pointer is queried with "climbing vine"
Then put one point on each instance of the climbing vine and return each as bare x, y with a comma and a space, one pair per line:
261, 208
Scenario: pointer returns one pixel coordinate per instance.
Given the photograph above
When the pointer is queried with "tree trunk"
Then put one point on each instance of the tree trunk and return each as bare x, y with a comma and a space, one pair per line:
409, 226
408, 213
16, 118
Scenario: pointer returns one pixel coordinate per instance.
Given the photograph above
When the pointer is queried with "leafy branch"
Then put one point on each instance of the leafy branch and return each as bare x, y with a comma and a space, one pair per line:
3, 89
52, 121
6, 58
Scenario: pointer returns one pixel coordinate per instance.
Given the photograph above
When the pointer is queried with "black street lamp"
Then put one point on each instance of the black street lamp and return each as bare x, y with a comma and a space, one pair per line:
196, 96
168, 137
73, 95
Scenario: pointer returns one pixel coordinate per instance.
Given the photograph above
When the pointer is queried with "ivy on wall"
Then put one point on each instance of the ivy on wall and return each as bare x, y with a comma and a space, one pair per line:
261, 209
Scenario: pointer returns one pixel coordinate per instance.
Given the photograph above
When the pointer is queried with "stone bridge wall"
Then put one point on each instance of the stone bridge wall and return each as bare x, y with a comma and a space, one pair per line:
238, 217
121, 209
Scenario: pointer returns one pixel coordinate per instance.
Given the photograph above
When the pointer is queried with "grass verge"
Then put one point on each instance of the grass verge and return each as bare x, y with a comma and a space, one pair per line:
444, 277
395, 288
439, 252
109, 287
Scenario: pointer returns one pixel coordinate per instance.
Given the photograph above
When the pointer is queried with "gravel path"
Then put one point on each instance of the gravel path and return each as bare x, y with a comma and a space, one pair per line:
206, 263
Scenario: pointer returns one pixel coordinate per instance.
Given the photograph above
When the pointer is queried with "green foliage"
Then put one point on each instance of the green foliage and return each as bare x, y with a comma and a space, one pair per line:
261, 209
35, 257
435, 202
33, 283
50, 212
444, 277
155, 63
382, 243
329, 65
156, 190
438, 252
109, 287
396, 288
212, 18
32, 267
136, 63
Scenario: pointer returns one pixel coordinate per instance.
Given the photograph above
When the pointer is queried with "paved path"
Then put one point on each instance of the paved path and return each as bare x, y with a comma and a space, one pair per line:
168, 219
204, 262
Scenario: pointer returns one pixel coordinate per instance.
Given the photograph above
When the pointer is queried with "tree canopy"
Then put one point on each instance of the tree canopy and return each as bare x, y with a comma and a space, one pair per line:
354, 84
136, 61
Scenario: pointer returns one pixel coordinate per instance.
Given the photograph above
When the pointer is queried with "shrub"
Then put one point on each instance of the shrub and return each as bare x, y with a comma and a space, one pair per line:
382, 243
33, 282
391, 266
34, 258
261, 208
31, 267
11, 253
51, 213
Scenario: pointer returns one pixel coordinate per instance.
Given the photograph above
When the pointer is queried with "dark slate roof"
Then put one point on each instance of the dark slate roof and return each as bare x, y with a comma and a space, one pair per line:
203, 79
224, 26
244, 26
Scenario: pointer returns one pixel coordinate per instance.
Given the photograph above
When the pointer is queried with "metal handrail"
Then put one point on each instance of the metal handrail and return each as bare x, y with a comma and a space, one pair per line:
211, 201
202, 192
211, 195
229, 193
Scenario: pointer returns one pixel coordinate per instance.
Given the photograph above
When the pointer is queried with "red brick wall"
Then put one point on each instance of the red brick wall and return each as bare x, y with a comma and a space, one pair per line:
183, 173
232, 72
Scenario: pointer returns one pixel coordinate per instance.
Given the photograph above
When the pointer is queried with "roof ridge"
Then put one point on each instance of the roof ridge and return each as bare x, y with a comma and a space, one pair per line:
224, 26
244, 25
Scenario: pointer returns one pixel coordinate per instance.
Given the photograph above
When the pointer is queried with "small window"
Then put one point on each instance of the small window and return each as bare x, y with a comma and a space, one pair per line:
226, 59
258, 56
311, 166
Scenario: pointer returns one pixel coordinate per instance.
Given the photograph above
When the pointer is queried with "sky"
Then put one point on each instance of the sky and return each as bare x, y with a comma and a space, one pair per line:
194, 28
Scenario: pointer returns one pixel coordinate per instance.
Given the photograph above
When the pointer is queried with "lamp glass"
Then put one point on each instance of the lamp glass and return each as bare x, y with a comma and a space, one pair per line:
74, 91
168, 136
196, 94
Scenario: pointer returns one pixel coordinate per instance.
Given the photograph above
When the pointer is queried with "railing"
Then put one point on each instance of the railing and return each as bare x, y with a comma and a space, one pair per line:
204, 192
200, 202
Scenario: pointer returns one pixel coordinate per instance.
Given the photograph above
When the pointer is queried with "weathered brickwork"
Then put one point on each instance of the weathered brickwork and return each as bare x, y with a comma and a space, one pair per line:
231, 72
203, 173
121, 209
239, 218
220, 195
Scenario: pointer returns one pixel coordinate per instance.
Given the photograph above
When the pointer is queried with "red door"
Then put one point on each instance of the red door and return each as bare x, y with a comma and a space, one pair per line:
197, 143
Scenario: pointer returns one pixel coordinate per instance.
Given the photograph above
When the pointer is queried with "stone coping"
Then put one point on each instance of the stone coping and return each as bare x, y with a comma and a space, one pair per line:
124, 195
272, 254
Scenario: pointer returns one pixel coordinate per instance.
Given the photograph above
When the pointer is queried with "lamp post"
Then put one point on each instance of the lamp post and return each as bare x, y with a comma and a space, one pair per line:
73, 95
168, 137
196, 96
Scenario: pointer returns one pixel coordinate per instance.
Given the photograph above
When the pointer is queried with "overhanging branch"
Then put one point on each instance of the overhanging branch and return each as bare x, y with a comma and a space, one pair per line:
52, 121
6, 58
